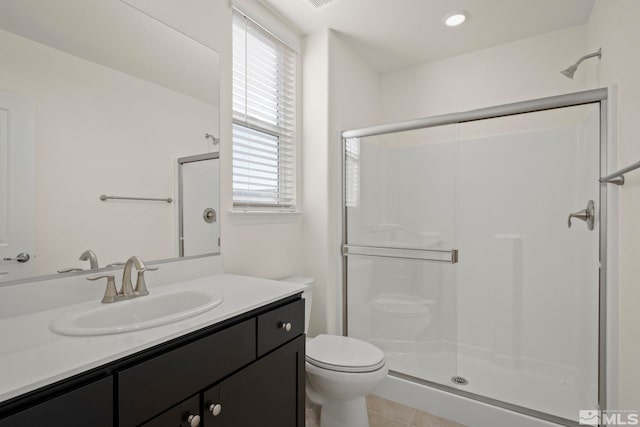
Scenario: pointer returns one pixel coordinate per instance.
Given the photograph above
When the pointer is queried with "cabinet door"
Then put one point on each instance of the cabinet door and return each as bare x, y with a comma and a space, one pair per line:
91, 405
152, 386
184, 414
268, 393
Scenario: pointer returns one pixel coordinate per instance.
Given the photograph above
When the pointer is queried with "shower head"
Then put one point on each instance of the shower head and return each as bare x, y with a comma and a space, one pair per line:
570, 71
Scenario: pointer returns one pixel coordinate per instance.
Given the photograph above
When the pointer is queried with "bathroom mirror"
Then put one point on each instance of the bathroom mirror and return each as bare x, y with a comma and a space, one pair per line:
97, 98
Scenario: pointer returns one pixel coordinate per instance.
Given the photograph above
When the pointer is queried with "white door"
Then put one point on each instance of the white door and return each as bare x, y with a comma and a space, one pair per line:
16, 187
200, 207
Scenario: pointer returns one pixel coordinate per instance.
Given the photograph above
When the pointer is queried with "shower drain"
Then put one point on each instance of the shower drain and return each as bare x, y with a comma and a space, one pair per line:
459, 380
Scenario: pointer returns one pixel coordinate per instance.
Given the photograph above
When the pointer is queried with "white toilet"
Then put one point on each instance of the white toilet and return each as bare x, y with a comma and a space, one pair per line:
341, 371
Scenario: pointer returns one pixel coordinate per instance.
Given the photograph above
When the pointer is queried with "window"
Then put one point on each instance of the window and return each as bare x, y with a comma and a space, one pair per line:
264, 158
352, 172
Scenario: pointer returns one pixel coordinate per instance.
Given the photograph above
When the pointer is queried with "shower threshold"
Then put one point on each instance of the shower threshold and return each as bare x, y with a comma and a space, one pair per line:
467, 392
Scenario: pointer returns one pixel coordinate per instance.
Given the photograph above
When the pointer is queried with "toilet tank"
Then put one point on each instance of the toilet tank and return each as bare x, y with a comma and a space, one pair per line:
307, 295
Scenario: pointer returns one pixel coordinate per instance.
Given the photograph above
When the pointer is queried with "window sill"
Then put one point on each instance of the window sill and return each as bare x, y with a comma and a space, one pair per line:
263, 217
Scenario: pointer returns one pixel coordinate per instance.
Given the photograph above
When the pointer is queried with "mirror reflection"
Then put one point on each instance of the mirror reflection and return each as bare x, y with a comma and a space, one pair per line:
98, 99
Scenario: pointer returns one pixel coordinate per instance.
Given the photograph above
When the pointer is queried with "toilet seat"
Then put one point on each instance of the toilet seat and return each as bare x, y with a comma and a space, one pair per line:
343, 354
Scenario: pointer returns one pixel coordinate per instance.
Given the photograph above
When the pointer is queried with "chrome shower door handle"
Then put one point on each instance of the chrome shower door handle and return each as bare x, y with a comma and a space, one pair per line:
587, 215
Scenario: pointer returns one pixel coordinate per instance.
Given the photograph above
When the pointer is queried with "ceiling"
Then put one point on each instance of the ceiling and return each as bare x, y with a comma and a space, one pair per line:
392, 34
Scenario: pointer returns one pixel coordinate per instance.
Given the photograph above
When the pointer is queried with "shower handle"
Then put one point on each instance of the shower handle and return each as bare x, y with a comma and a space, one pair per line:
587, 215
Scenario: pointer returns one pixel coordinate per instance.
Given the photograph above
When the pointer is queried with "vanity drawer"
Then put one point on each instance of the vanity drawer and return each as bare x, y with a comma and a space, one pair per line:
91, 405
272, 331
150, 387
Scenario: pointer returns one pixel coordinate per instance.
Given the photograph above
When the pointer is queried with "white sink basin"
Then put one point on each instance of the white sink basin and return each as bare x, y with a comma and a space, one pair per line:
137, 313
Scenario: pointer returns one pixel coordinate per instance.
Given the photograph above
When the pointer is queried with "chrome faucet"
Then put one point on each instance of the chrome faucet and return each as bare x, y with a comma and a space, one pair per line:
90, 256
87, 255
126, 290
141, 285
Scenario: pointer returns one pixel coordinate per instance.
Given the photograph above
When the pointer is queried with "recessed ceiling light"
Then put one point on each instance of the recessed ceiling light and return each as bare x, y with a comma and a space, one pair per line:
453, 19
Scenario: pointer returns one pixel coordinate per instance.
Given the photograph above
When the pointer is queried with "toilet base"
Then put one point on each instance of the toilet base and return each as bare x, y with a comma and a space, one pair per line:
344, 413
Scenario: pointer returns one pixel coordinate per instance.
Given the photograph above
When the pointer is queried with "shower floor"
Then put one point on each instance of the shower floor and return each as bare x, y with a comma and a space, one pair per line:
546, 390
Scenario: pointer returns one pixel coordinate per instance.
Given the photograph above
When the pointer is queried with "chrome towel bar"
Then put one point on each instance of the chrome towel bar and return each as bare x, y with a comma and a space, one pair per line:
105, 198
618, 177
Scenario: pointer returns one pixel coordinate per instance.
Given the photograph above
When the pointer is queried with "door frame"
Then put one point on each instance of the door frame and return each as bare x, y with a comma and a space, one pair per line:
21, 122
182, 161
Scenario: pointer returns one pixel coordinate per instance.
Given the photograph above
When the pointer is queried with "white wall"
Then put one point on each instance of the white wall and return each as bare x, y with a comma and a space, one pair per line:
340, 92
524, 69
613, 26
100, 131
315, 162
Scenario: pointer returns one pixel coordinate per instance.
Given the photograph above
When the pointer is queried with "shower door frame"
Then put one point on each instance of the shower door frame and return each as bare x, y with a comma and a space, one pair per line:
594, 96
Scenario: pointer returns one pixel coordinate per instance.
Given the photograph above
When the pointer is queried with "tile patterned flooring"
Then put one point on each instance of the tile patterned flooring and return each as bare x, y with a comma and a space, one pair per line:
385, 413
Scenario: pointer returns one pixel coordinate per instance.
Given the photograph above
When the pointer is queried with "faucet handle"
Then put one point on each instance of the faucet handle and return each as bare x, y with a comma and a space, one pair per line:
110, 292
141, 285
114, 264
70, 269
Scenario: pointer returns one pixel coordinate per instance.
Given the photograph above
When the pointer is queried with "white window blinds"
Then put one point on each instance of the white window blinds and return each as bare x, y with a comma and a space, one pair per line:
352, 172
264, 158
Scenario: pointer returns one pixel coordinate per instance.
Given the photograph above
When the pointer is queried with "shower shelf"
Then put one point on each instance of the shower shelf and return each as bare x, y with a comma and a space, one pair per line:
618, 177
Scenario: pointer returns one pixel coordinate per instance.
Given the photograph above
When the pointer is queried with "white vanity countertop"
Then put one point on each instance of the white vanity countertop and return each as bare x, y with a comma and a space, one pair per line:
32, 356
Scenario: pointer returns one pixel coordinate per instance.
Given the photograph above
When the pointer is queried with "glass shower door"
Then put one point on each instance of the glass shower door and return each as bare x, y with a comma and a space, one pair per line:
400, 245
473, 256
528, 283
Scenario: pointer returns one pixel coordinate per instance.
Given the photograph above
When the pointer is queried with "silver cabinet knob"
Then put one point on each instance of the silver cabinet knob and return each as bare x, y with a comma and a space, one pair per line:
193, 420
285, 326
215, 409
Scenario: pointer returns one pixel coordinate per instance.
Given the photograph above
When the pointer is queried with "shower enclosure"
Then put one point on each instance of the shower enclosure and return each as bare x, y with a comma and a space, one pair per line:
474, 251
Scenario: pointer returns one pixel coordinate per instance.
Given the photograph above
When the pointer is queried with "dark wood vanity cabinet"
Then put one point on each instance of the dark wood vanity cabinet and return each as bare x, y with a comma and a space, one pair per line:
267, 393
249, 372
90, 404
147, 388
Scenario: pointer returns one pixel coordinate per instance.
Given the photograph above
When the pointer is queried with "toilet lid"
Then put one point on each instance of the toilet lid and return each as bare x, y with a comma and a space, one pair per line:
343, 354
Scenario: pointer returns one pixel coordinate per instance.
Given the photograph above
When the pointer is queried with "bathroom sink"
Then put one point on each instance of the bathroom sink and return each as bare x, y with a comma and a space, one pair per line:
137, 313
